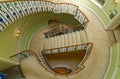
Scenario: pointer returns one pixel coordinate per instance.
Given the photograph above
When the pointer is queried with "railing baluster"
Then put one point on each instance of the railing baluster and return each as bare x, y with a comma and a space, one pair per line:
11, 10
35, 6
39, 6
3, 23
44, 6
30, 7
18, 9
24, 8
15, 10
8, 19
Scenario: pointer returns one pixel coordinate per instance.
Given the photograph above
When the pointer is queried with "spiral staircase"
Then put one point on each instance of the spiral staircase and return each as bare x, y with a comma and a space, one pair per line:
63, 42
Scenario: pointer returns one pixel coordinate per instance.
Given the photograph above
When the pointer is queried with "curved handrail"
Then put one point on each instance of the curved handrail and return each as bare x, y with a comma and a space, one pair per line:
52, 7
69, 46
57, 29
72, 46
82, 62
35, 55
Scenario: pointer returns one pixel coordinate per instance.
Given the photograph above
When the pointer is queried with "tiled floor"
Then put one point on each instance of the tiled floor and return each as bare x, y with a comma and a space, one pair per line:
97, 63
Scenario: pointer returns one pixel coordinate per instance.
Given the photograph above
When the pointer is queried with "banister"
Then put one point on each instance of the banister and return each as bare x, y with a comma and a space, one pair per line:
51, 71
57, 29
44, 56
30, 51
68, 46
73, 5
82, 63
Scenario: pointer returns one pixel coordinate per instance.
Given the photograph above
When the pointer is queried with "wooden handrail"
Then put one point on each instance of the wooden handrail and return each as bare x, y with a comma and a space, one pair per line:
34, 54
30, 51
76, 6
58, 30
82, 63
51, 2
68, 46
53, 7
51, 71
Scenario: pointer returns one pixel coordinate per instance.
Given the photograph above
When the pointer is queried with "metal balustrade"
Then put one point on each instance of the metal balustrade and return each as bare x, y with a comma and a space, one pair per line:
60, 30
42, 60
11, 11
27, 53
87, 47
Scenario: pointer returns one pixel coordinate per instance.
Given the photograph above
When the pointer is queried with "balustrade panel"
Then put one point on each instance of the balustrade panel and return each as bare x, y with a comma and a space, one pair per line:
4, 12
24, 8
58, 8
40, 6
78, 15
3, 23
72, 9
17, 8
11, 10
30, 7
35, 6
64, 8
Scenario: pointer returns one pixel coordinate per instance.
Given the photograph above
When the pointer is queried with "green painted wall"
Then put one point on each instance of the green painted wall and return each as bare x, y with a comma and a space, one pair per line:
8, 39
8, 43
